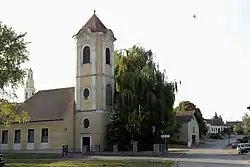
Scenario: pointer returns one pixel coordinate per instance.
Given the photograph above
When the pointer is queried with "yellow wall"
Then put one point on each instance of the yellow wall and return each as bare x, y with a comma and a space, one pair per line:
95, 76
96, 128
56, 134
59, 132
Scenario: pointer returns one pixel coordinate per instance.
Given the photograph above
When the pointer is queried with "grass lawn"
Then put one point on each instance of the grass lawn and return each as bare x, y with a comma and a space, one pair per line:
30, 156
89, 163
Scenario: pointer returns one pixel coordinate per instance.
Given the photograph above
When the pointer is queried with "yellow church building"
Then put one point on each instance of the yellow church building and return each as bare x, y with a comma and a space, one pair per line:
75, 116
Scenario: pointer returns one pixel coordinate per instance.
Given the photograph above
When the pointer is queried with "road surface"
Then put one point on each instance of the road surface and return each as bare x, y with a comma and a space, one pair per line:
192, 164
212, 155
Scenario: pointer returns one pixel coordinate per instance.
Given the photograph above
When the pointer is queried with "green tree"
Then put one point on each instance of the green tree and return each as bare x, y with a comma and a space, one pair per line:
13, 53
185, 106
246, 124
189, 106
228, 130
238, 130
144, 99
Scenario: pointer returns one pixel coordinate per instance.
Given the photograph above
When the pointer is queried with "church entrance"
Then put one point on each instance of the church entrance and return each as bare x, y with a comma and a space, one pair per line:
85, 144
193, 140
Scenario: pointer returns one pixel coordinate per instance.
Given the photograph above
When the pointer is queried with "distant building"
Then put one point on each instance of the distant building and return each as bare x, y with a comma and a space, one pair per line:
29, 89
214, 125
189, 131
234, 123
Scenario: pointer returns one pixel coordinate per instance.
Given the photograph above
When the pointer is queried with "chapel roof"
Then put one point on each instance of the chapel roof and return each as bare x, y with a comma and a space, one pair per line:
50, 105
94, 24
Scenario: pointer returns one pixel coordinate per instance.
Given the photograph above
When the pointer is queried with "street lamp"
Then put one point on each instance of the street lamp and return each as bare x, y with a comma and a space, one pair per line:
153, 130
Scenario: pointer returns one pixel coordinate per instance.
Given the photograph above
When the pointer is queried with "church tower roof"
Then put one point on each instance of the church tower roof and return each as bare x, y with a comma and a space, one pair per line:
95, 25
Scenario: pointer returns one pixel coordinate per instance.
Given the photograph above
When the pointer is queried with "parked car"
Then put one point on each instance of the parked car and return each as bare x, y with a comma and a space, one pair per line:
235, 144
243, 148
2, 162
242, 140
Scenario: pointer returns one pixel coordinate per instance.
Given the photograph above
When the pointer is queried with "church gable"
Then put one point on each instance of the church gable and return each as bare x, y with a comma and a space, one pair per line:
50, 105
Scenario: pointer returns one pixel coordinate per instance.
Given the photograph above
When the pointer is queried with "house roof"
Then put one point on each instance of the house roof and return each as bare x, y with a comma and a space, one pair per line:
48, 105
232, 123
215, 122
184, 116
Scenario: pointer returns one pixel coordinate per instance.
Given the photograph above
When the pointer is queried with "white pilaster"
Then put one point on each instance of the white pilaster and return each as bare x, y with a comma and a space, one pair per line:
93, 85
112, 60
78, 77
104, 92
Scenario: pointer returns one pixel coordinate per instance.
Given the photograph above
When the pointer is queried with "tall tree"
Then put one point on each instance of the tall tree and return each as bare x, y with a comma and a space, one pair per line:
246, 124
238, 130
13, 53
189, 106
185, 106
144, 99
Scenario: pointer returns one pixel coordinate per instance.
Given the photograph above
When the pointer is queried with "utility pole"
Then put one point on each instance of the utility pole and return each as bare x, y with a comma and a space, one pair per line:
228, 134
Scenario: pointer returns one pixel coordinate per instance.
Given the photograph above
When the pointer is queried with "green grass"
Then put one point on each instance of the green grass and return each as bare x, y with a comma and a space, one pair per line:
89, 163
30, 156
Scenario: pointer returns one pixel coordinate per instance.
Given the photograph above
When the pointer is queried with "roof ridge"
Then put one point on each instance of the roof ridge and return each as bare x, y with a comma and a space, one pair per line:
56, 89
96, 22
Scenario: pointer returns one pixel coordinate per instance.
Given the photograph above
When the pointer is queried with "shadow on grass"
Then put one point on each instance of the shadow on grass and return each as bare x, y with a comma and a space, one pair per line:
31, 156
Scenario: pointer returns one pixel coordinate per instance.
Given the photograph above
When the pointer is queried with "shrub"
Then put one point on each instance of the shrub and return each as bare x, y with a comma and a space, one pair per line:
216, 136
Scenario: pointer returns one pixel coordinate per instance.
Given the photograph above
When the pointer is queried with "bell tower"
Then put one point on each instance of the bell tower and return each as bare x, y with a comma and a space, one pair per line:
29, 89
94, 83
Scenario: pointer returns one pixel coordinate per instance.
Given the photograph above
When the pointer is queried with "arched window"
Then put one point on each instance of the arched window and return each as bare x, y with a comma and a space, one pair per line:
108, 95
86, 123
107, 56
86, 55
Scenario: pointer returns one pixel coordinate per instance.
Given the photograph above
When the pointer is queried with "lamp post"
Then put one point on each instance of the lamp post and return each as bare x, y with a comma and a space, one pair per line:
153, 134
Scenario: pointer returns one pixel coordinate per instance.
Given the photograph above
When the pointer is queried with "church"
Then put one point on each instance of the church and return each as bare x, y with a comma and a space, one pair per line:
74, 116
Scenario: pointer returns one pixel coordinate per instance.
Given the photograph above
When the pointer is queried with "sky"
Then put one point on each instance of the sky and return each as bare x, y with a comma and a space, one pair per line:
209, 54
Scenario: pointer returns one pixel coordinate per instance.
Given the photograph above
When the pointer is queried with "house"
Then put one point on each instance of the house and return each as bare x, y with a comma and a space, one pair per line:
189, 131
74, 116
214, 126
234, 123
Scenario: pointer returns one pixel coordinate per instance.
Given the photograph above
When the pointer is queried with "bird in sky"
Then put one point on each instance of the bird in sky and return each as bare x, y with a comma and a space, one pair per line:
194, 16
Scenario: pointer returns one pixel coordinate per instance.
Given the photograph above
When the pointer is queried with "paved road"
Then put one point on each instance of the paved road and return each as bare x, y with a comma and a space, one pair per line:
208, 155
192, 164
212, 155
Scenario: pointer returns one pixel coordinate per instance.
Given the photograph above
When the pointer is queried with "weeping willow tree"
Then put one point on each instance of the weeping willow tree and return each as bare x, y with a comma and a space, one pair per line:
144, 98
13, 53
